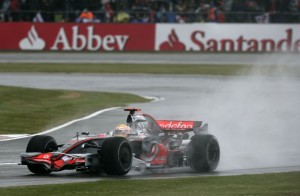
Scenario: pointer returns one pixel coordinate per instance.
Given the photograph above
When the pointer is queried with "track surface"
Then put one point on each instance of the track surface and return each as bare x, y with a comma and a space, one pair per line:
255, 118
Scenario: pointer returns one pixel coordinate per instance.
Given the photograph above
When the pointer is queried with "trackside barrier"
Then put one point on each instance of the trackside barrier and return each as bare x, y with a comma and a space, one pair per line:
202, 37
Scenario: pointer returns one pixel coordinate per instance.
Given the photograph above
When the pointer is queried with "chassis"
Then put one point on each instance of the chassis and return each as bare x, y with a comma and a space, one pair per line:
150, 144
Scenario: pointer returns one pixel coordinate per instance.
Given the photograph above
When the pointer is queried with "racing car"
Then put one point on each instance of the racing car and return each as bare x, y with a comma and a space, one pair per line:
140, 142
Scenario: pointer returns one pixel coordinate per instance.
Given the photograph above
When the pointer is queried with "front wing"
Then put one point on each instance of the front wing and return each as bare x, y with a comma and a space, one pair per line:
54, 161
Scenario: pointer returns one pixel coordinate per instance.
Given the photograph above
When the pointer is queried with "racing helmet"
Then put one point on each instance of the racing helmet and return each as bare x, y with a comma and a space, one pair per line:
122, 130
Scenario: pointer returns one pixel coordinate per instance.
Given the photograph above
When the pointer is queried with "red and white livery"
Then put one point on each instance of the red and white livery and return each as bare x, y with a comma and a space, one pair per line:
140, 142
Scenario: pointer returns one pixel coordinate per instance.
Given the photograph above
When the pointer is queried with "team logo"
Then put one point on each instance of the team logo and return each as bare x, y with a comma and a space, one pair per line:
172, 44
32, 41
175, 125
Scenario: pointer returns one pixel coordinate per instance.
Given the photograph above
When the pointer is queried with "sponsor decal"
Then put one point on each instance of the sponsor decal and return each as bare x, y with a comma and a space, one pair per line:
241, 43
228, 37
175, 125
102, 135
89, 41
172, 44
32, 41
76, 37
205, 37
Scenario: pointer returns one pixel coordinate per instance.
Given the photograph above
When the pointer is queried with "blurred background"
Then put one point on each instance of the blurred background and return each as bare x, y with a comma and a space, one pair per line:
151, 11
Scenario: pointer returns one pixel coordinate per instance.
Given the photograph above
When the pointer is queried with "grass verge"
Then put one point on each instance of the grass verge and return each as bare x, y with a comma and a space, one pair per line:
203, 69
26, 110
123, 68
146, 68
264, 184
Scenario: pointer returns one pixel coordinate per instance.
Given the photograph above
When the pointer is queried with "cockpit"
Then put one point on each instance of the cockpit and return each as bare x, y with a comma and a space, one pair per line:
142, 123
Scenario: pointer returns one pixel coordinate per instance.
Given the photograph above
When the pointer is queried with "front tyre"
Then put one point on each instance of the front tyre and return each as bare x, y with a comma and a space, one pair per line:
203, 153
43, 144
116, 156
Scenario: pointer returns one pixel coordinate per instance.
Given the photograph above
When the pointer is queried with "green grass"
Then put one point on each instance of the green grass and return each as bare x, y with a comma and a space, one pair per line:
204, 69
26, 110
264, 184
125, 68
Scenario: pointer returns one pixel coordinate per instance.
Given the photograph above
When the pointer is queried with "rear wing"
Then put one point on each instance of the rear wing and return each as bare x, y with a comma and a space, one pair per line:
181, 126
156, 126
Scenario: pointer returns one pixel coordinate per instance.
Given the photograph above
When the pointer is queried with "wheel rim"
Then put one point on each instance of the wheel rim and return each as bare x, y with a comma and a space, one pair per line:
213, 153
51, 146
125, 157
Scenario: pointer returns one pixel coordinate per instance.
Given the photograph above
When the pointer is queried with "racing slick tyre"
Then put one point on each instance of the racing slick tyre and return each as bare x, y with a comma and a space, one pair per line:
203, 153
116, 156
40, 143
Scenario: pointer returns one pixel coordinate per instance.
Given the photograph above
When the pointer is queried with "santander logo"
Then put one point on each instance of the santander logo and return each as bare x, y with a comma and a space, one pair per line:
227, 38
175, 125
32, 41
172, 44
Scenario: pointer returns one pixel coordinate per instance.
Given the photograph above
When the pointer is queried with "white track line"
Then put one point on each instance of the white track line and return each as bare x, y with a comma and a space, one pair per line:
66, 124
154, 99
2, 164
76, 120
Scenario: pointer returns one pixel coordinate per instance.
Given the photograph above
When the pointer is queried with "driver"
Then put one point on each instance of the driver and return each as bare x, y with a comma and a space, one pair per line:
122, 130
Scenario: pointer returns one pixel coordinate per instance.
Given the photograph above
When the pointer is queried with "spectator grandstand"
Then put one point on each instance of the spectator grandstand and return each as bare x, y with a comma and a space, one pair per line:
153, 11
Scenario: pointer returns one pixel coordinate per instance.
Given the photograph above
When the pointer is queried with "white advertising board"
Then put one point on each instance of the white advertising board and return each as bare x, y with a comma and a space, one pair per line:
211, 37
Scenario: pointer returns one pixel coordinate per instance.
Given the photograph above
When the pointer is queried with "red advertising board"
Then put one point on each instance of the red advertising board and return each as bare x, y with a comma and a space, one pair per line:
77, 37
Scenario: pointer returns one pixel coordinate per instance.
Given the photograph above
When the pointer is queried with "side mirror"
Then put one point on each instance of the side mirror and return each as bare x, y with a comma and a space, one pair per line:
84, 145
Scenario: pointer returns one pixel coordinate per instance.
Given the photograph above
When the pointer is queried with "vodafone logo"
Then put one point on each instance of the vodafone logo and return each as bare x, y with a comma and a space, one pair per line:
175, 125
32, 41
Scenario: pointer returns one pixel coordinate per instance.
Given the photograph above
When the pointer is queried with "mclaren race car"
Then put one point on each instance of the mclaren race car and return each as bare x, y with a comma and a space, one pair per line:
140, 143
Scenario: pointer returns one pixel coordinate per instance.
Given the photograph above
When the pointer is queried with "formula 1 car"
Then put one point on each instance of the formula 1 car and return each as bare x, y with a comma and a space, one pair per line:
142, 142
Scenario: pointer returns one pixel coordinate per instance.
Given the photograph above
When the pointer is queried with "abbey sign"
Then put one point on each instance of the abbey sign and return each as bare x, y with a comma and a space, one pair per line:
76, 37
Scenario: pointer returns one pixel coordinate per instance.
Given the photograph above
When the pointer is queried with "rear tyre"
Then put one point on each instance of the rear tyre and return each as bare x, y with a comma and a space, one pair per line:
116, 156
43, 144
203, 153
